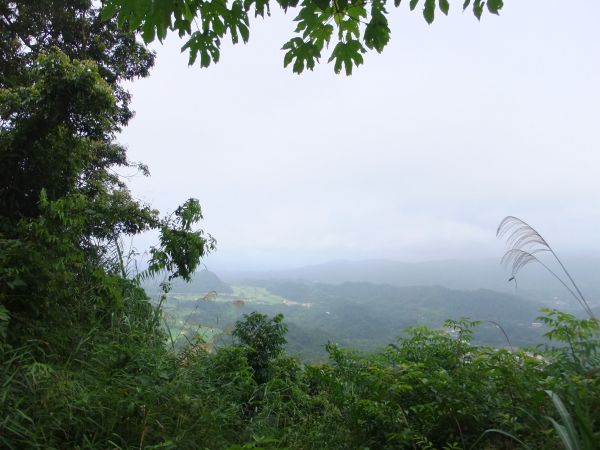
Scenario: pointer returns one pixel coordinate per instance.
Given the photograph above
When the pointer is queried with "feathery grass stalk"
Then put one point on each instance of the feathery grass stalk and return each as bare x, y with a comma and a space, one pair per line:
524, 243
501, 328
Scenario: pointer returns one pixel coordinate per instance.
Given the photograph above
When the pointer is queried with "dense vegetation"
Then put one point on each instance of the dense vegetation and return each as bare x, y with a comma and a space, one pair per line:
85, 359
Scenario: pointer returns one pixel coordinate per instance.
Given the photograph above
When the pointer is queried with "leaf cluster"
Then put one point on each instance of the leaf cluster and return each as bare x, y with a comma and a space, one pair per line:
29, 29
351, 27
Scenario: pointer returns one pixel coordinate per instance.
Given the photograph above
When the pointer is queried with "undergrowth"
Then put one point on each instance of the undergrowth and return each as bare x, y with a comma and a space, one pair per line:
122, 387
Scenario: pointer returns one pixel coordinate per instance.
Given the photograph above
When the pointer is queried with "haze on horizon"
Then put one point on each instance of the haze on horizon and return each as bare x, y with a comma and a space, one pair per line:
417, 156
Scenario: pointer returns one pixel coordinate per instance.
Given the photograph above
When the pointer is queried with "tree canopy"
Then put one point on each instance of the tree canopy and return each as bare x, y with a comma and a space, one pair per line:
31, 28
349, 27
64, 209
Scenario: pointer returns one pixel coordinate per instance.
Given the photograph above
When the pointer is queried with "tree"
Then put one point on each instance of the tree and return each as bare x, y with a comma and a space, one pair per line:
64, 210
352, 25
33, 27
43, 130
263, 339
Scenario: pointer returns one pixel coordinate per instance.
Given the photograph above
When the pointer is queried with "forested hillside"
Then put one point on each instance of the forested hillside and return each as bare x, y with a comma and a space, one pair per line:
363, 316
90, 360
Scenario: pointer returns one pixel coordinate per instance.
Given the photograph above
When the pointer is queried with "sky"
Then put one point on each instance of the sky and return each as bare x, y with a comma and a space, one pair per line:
417, 156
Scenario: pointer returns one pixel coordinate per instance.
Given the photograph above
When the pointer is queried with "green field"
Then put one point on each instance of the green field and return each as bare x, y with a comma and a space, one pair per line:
186, 316
260, 295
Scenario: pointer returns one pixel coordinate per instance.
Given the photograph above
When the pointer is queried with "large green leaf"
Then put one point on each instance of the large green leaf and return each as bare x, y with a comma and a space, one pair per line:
347, 54
302, 54
429, 11
444, 6
494, 6
377, 31
206, 44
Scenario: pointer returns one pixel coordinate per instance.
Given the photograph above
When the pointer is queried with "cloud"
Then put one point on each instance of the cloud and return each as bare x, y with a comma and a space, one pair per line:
417, 156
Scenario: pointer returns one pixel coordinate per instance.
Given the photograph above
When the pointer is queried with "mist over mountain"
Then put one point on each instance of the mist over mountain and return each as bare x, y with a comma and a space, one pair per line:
203, 281
532, 282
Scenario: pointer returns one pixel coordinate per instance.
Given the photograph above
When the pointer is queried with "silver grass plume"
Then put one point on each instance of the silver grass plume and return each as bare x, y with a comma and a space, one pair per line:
524, 244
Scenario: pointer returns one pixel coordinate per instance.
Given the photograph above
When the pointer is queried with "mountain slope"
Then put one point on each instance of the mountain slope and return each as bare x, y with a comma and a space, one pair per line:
366, 316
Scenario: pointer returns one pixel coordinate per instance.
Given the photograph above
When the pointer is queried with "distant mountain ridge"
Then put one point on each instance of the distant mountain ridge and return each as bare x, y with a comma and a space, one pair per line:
533, 282
202, 281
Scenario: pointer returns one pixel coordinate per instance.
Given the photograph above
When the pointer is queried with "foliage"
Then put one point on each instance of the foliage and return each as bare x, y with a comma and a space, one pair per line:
263, 339
83, 360
64, 210
63, 207
181, 247
571, 438
60, 204
29, 29
432, 389
580, 354
580, 338
351, 27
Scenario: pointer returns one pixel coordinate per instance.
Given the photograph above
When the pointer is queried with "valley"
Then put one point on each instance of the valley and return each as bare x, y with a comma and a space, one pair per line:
364, 316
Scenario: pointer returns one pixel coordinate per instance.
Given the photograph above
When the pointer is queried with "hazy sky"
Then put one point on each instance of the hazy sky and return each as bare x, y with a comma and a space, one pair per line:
417, 156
